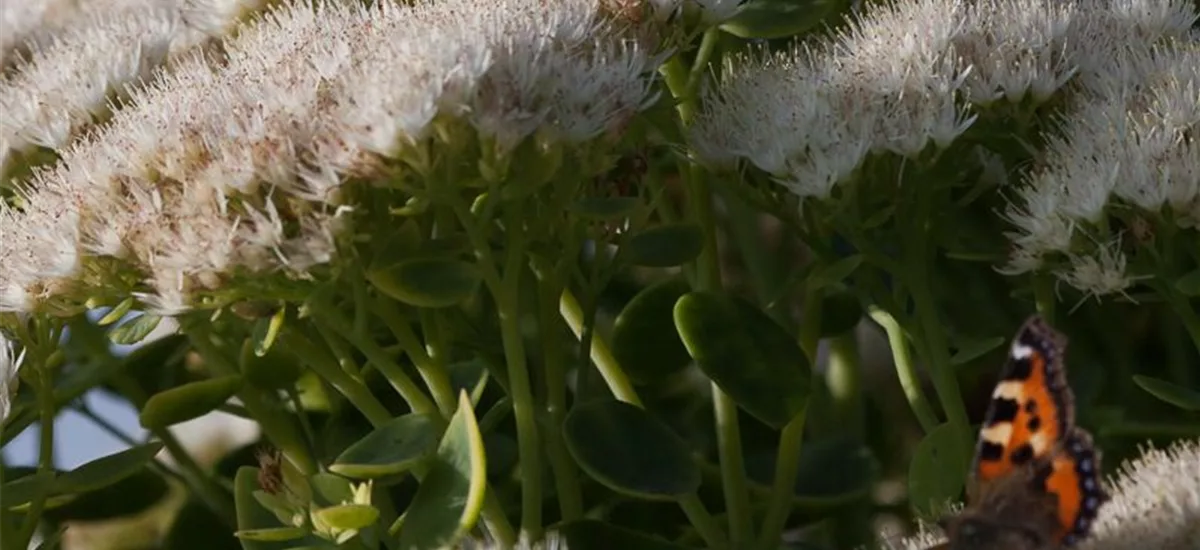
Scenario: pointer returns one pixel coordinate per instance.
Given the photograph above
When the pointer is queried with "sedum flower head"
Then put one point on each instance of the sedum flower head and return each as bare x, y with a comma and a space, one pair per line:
811, 115
77, 59
49, 96
1127, 141
1155, 502
231, 165
896, 78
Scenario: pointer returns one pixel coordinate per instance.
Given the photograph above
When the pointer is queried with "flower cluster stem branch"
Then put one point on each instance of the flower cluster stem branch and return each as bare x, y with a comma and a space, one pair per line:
929, 327
681, 81
431, 369
404, 385
1043, 294
938, 356
910, 381
327, 368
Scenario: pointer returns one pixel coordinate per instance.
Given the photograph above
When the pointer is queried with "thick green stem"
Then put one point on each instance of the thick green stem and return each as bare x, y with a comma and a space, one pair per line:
45, 469
932, 337
787, 467
524, 406
708, 278
432, 371
618, 383
843, 377
733, 469
566, 480
703, 522
266, 408
910, 381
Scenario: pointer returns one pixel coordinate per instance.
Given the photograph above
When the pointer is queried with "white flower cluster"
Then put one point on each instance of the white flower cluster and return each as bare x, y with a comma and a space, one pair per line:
1155, 503
897, 78
1129, 142
233, 165
78, 58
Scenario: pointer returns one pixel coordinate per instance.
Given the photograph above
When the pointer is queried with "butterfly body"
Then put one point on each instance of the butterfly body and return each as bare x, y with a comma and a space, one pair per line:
1035, 480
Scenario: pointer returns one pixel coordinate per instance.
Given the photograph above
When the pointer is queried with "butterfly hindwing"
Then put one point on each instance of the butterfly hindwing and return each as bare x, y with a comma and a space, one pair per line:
1074, 478
1032, 407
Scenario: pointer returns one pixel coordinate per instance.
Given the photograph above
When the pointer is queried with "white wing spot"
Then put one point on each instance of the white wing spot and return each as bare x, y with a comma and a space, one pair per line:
1021, 351
998, 433
1039, 443
1011, 390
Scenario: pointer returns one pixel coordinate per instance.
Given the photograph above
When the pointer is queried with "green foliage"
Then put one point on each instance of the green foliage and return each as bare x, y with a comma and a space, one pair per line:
191, 400
605, 338
451, 494
629, 451
390, 449
747, 354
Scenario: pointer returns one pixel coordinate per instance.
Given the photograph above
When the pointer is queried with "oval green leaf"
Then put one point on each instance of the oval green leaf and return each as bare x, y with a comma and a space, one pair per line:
938, 470
131, 495
835, 272
116, 313
134, 330
664, 246
18, 493
630, 451
1170, 392
330, 489
448, 500
107, 470
753, 360
1189, 284
470, 376
271, 534
390, 449
346, 517
974, 348
833, 471
428, 282
188, 401
771, 19
591, 534
644, 340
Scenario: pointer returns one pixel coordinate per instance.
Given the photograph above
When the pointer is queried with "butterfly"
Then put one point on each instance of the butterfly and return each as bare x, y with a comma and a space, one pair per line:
1035, 479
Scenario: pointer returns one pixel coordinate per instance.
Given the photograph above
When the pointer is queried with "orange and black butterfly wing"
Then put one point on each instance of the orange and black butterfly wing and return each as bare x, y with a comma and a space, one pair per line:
1073, 476
1032, 408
